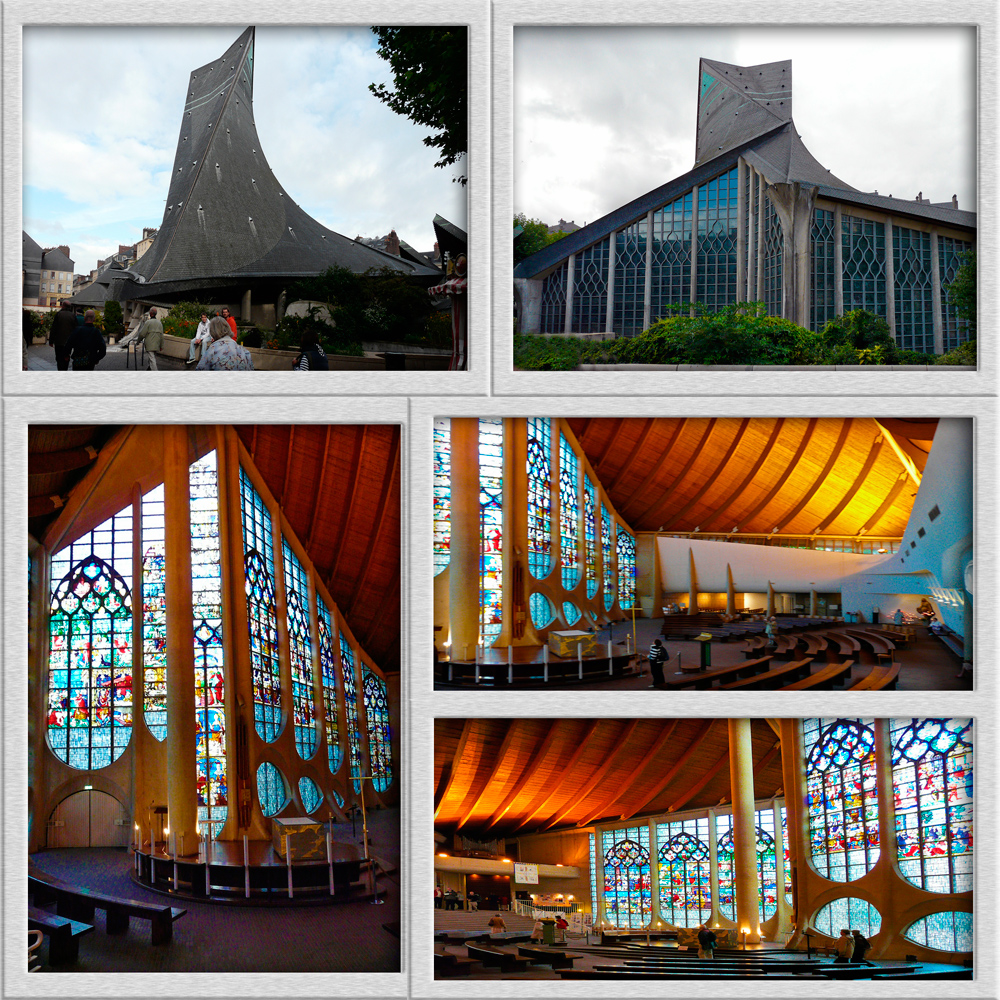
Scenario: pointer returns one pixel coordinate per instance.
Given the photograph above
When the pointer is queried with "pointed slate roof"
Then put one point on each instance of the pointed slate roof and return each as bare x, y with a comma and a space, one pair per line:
226, 213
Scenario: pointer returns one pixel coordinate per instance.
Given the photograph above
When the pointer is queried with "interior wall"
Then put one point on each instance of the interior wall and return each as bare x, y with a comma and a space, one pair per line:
570, 847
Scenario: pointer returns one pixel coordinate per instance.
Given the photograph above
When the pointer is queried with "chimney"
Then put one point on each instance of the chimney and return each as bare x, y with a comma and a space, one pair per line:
392, 243
65, 250
954, 201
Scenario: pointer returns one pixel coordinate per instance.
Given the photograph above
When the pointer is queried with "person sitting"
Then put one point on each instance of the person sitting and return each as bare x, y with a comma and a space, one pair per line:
202, 338
311, 357
224, 354
861, 947
496, 925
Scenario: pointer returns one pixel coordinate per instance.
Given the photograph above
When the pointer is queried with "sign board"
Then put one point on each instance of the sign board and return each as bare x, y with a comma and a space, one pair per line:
576, 923
525, 874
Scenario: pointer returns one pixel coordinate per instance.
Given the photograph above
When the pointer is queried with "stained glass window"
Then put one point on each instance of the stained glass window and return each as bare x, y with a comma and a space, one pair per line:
767, 864
553, 317
541, 609
946, 931
271, 789
338, 798
209, 672
854, 914
630, 279
717, 210
685, 872
262, 620
539, 496
351, 710
725, 852
590, 536
954, 331
626, 569
590, 289
773, 250
309, 793
89, 717
569, 511
911, 250
300, 651
671, 263
442, 494
328, 667
841, 796
154, 614
932, 782
823, 288
787, 855
627, 884
863, 243
379, 744
570, 612
490, 528
607, 542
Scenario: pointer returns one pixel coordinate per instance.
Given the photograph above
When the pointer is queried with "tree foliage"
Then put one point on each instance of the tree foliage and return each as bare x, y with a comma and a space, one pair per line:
429, 68
536, 236
962, 291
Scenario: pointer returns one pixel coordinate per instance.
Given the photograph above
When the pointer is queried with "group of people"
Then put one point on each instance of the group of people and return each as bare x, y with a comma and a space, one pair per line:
538, 930
80, 343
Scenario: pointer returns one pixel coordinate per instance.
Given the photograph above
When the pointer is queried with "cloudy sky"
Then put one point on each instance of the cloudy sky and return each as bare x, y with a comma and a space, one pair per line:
102, 112
604, 114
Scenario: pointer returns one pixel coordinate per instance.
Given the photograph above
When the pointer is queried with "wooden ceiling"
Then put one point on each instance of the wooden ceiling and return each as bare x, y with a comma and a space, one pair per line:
501, 777
826, 475
337, 484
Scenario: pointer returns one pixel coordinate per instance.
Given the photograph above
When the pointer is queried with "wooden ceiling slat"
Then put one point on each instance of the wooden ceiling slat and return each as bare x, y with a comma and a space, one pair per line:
901, 480
832, 459
652, 512
636, 449
612, 438
359, 453
450, 769
499, 761
859, 482
655, 470
288, 466
685, 796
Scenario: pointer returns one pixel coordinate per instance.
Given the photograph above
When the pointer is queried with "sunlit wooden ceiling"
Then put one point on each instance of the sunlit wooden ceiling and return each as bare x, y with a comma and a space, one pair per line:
802, 476
506, 776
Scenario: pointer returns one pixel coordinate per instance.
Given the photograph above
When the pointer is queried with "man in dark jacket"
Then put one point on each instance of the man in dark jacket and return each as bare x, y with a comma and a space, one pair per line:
706, 942
861, 947
87, 345
657, 657
63, 328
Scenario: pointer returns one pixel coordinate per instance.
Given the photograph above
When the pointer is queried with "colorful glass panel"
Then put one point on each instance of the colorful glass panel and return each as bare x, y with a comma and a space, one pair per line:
627, 885
854, 914
945, 931
541, 609
725, 853
338, 798
685, 872
271, 789
932, 786
300, 652
328, 668
841, 796
593, 877
351, 710
209, 670
379, 740
570, 612
787, 855
262, 619
569, 513
154, 614
607, 548
309, 793
490, 529
626, 569
590, 536
539, 496
767, 863
442, 494
89, 714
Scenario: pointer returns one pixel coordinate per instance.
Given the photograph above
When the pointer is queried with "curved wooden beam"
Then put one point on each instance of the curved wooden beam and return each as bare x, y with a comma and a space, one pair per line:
713, 476
47, 463
500, 761
901, 453
890, 499
654, 471
313, 519
636, 448
833, 458
289, 457
859, 481
450, 769
345, 517
693, 789
654, 511
612, 438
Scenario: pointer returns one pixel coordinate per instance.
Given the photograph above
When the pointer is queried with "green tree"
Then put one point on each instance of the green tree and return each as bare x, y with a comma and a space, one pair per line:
536, 236
429, 68
962, 291
112, 317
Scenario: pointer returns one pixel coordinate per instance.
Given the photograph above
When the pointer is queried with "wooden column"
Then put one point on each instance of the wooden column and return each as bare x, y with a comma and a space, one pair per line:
746, 882
181, 763
463, 582
730, 591
692, 584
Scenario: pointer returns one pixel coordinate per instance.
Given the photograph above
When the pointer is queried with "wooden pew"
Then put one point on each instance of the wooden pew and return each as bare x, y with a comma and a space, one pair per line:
63, 934
846, 644
707, 678
827, 677
503, 958
876, 643
553, 957
814, 644
449, 964
775, 677
882, 676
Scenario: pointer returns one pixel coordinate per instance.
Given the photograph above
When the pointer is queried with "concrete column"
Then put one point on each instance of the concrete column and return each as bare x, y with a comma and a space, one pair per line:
245, 307
751, 251
838, 262
609, 315
181, 761
463, 580
890, 279
279, 307
692, 584
600, 916
794, 206
812, 603
529, 293
715, 918
793, 780
968, 632
694, 246
886, 877
741, 219
747, 884
761, 185
781, 907
656, 921
647, 295
516, 530
284, 650
730, 591
936, 298
570, 281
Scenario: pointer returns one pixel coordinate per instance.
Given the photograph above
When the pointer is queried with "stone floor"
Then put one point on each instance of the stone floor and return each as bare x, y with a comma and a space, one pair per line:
42, 358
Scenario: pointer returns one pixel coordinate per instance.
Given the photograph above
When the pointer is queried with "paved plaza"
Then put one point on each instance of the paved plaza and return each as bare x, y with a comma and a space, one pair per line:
42, 358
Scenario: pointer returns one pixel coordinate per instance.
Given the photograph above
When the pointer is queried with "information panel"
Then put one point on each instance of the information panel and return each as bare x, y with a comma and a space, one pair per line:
526, 874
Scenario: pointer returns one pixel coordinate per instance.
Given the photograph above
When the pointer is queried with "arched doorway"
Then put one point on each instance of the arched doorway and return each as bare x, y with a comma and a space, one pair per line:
88, 818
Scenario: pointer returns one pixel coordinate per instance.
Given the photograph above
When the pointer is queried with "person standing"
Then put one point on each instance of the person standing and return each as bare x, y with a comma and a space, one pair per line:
706, 942
844, 946
897, 618
657, 657
771, 631
875, 613
201, 339
151, 334
86, 346
861, 948
230, 320
63, 328
438, 897
562, 926
537, 931
496, 925
312, 357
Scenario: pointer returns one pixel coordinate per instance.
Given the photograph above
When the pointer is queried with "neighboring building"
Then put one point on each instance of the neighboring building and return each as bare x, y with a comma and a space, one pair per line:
148, 235
729, 229
47, 275
562, 226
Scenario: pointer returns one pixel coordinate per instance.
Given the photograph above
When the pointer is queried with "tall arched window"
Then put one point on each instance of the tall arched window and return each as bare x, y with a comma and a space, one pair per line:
932, 782
590, 535
725, 853
491, 528
569, 512
262, 620
89, 719
685, 872
300, 651
328, 666
841, 796
607, 548
442, 494
154, 614
209, 667
626, 569
539, 496
351, 710
377, 714
766, 864
627, 887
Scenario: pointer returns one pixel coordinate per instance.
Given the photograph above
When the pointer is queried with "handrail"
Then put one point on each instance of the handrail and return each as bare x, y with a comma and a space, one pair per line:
34, 960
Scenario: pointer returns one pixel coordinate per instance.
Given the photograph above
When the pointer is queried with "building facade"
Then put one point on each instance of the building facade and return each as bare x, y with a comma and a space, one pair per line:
46, 274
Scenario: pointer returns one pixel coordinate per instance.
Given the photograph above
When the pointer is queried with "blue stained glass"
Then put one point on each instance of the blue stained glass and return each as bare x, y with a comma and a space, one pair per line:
569, 512
671, 257
154, 614
328, 668
271, 789
442, 494
626, 569
338, 798
717, 215
379, 741
685, 872
863, 245
309, 793
948, 930
300, 652
541, 609
590, 536
539, 431
607, 549
351, 710
570, 612
630, 279
628, 899
491, 529
854, 914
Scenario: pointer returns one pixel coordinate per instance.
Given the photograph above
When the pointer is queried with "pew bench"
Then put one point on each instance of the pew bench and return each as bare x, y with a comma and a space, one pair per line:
706, 678
775, 677
449, 964
827, 677
504, 959
546, 956
63, 934
882, 676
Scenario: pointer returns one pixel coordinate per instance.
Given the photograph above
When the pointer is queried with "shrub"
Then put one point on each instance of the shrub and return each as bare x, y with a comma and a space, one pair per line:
964, 354
113, 318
